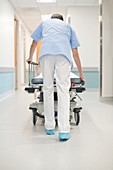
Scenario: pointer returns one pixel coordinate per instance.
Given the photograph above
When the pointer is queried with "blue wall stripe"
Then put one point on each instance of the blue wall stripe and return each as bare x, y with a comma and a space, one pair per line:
7, 81
91, 78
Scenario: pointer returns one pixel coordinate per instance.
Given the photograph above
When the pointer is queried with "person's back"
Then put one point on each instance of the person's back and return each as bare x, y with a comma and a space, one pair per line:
57, 38
56, 30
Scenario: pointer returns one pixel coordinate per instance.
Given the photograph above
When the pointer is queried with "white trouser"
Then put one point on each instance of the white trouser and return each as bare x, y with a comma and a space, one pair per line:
59, 65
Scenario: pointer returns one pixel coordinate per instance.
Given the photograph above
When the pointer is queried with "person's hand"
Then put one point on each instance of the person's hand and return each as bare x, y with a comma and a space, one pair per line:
29, 60
82, 79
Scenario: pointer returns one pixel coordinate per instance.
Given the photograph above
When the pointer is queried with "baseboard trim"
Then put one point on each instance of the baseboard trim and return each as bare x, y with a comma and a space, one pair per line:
106, 99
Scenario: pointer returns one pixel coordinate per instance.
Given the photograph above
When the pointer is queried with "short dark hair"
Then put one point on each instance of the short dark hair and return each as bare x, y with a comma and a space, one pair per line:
57, 16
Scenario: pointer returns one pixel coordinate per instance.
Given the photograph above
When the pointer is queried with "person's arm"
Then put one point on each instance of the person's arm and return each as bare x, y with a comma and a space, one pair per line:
32, 50
78, 63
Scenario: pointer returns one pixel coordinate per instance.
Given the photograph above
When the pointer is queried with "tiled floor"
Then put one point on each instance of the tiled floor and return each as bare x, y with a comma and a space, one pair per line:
25, 147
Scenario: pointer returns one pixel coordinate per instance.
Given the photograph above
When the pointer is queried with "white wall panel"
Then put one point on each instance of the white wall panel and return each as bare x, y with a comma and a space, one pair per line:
85, 22
6, 34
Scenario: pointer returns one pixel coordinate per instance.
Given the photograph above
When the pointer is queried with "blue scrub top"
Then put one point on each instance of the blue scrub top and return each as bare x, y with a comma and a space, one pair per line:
58, 38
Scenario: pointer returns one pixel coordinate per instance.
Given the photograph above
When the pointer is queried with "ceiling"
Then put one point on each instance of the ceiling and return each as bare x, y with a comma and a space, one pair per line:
30, 11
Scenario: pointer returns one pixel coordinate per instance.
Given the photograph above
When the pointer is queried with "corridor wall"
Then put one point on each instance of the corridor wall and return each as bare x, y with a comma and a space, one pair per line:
106, 46
6, 47
7, 70
85, 21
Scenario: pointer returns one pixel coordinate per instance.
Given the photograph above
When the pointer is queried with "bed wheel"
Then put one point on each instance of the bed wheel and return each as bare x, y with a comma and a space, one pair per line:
34, 117
56, 122
77, 117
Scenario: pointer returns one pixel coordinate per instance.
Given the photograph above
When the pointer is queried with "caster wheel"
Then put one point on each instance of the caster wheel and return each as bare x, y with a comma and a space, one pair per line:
34, 117
56, 121
77, 117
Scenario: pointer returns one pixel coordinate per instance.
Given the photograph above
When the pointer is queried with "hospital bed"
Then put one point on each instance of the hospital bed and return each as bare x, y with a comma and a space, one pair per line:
36, 86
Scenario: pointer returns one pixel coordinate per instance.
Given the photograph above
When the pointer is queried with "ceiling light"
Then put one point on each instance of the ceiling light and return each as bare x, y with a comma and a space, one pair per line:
46, 1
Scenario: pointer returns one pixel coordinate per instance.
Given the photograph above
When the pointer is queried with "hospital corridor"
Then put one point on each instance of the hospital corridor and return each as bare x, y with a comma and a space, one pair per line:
86, 141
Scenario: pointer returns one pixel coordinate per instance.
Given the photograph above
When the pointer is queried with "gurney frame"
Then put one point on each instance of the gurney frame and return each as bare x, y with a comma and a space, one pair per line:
35, 86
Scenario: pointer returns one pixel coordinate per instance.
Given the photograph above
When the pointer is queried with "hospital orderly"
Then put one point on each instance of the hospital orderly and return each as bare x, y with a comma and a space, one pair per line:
58, 38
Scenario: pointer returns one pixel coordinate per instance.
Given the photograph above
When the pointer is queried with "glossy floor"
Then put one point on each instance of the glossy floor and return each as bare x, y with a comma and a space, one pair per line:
25, 147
